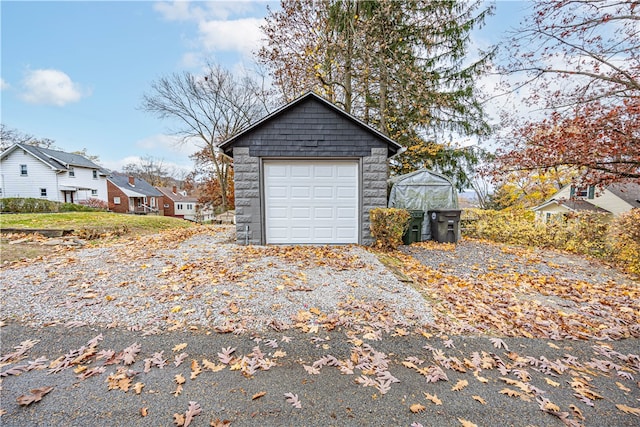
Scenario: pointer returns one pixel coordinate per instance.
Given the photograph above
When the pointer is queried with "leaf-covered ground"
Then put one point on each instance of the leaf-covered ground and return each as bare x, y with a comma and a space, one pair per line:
517, 337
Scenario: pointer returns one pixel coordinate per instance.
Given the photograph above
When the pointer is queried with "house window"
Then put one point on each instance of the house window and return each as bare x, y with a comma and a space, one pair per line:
23, 170
95, 174
116, 200
153, 202
189, 206
583, 192
72, 172
94, 192
43, 192
166, 205
179, 206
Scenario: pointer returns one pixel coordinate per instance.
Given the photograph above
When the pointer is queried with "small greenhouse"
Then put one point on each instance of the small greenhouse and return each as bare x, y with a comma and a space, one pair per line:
423, 190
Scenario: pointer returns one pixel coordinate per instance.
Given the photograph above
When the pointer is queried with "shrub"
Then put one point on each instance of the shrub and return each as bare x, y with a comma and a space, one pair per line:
387, 226
32, 205
624, 241
95, 204
588, 233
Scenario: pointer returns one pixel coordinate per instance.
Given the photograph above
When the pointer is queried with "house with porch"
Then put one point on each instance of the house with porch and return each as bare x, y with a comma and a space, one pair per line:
36, 172
128, 194
178, 203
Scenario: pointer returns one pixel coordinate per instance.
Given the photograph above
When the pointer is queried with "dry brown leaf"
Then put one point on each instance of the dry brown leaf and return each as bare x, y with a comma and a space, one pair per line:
195, 369
479, 378
219, 423
466, 423
552, 345
461, 384
179, 379
479, 399
433, 398
623, 387
178, 420
144, 411
233, 307
212, 366
34, 395
179, 347
509, 392
549, 406
138, 387
258, 395
577, 412
552, 383
193, 410
416, 407
629, 410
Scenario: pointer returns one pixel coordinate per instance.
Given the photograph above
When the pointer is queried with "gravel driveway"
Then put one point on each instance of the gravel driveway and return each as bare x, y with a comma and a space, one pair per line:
203, 279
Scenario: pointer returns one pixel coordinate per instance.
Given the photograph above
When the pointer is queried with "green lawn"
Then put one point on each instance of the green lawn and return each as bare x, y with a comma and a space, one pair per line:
92, 220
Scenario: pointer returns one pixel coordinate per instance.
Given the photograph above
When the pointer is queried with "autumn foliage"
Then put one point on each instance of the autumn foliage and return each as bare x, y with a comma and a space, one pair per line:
587, 233
387, 226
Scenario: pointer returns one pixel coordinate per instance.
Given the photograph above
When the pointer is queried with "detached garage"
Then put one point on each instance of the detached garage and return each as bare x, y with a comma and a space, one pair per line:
309, 173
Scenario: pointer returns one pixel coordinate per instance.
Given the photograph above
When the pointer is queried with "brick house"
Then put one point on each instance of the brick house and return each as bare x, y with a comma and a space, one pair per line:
178, 203
128, 194
309, 173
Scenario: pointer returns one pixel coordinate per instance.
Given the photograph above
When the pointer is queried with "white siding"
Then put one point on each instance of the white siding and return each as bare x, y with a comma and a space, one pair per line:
38, 176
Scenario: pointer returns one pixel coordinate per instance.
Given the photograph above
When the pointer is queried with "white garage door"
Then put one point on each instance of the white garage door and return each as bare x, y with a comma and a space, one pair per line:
311, 201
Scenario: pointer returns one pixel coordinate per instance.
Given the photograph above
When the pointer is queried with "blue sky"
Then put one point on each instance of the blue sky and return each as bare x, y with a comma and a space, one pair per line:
75, 71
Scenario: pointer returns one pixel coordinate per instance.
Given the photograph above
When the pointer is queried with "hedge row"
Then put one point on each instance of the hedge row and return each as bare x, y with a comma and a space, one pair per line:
31, 205
588, 233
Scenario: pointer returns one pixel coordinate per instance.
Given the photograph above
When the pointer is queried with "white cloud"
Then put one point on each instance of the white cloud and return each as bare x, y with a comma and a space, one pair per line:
241, 35
51, 87
220, 26
4, 85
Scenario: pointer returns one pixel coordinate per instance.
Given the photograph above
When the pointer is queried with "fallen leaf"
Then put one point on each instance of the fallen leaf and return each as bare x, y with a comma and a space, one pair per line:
34, 395
466, 423
577, 412
552, 345
433, 398
138, 387
193, 410
623, 387
416, 407
179, 347
258, 395
498, 343
220, 423
479, 399
461, 384
629, 410
144, 411
509, 392
293, 399
552, 383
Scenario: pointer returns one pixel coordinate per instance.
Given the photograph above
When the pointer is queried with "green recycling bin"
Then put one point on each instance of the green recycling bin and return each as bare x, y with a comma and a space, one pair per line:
414, 232
445, 225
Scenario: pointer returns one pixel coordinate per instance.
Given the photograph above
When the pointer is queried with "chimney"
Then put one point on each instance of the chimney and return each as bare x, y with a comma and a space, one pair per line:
131, 181
174, 189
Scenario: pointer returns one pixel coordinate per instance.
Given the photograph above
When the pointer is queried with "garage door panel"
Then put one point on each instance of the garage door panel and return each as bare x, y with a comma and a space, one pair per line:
346, 193
301, 213
345, 213
311, 201
322, 192
300, 192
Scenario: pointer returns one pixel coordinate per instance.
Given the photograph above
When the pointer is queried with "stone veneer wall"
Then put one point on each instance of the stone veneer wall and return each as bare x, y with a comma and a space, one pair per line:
248, 192
374, 188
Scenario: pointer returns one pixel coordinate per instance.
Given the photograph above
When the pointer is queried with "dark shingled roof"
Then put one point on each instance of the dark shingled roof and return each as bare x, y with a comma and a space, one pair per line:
139, 185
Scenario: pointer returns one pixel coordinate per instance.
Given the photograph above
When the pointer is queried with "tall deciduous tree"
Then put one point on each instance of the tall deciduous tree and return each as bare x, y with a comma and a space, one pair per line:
402, 67
208, 109
581, 61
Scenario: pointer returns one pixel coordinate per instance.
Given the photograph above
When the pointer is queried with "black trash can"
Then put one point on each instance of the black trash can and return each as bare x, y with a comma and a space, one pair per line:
445, 225
414, 232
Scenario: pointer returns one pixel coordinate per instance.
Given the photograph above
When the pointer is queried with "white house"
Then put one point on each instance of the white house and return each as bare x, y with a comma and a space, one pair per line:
614, 199
29, 171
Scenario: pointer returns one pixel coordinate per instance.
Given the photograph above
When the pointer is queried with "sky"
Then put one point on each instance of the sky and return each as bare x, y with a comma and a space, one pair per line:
75, 71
